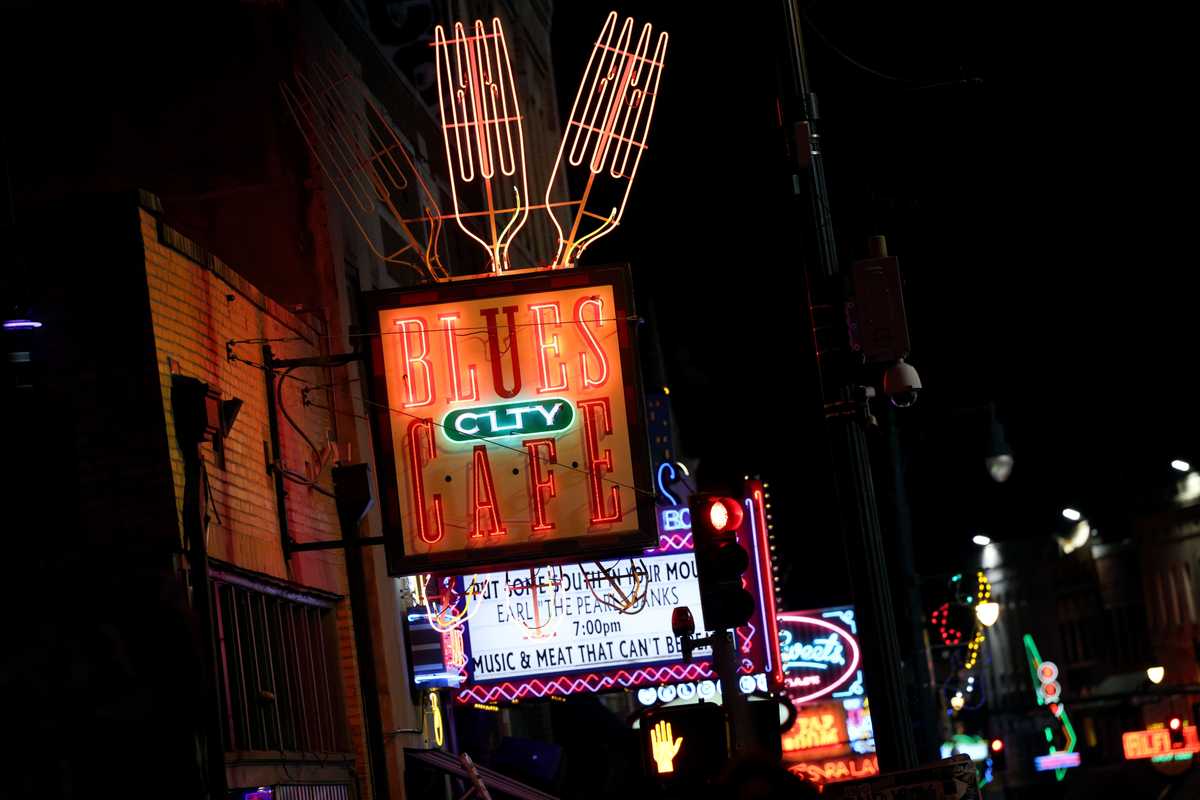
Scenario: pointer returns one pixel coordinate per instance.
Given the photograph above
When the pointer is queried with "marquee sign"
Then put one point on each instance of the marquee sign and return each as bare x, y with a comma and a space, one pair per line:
603, 625
508, 421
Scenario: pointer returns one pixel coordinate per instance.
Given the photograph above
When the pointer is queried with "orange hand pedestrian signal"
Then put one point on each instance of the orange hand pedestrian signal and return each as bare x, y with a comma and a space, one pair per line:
662, 748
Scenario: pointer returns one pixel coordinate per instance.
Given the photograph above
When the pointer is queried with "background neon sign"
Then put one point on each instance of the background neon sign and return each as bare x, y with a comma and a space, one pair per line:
819, 653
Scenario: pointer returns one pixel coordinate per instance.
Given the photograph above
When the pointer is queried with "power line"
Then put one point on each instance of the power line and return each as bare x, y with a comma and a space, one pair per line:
384, 407
922, 83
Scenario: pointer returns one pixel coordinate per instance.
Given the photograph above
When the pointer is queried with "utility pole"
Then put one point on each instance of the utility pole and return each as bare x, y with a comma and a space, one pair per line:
844, 403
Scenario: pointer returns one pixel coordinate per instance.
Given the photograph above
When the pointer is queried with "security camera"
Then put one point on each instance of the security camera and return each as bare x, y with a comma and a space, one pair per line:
901, 383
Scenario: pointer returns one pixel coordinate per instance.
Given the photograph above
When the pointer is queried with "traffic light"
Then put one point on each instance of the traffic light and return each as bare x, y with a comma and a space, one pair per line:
1176, 728
720, 561
685, 744
999, 759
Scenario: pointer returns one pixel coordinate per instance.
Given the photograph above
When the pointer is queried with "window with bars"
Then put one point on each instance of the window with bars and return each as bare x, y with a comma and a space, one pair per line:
277, 664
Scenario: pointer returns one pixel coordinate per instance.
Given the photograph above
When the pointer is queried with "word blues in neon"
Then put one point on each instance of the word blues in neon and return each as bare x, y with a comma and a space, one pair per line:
508, 419
675, 519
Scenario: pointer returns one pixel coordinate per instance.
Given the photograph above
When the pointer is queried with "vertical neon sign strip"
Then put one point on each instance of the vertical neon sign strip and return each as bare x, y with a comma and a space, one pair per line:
758, 535
1059, 709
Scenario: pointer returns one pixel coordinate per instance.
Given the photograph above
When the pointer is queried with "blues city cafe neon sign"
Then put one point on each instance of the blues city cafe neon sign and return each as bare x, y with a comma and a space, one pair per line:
508, 423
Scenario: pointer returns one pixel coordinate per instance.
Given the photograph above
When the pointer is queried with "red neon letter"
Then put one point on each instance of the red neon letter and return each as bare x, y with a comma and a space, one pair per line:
510, 313
485, 498
411, 361
544, 347
542, 486
598, 464
449, 322
592, 343
416, 465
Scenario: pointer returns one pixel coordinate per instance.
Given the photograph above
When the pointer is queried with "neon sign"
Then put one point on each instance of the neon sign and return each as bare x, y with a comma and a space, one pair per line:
1155, 743
676, 519
819, 652
815, 729
507, 422
508, 419
1049, 694
833, 770
1056, 762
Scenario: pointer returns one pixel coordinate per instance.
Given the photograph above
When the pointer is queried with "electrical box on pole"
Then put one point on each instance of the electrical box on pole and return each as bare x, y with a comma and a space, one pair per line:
881, 326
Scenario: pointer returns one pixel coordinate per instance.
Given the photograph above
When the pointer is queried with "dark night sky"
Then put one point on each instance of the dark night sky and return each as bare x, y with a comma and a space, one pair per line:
1039, 211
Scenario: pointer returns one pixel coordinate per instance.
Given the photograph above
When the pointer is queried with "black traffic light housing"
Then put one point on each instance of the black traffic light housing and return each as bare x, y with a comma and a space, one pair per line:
720, 560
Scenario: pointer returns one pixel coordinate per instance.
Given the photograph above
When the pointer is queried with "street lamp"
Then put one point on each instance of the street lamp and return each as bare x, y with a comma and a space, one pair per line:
1072, 514
1178, 464
988, 613
1156, 674
957, 702
981, 540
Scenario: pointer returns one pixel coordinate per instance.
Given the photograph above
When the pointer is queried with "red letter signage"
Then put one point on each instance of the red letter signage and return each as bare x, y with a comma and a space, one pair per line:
508, 421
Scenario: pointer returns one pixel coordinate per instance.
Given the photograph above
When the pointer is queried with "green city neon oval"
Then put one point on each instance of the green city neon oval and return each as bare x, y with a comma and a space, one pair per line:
522, 418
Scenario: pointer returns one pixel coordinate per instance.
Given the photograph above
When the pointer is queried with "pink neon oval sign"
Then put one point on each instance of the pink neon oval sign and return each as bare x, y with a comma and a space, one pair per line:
816, 655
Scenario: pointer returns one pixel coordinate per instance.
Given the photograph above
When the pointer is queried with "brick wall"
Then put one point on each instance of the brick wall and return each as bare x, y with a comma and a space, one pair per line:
197, 305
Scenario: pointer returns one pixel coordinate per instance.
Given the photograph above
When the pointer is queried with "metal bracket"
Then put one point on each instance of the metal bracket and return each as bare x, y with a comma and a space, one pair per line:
334, 360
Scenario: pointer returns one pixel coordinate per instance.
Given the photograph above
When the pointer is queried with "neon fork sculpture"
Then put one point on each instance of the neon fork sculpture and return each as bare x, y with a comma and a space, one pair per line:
481, 126
364, 160
607, 131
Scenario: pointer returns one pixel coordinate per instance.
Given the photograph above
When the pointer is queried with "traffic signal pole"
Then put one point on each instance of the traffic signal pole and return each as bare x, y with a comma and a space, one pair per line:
735, 703
841, 396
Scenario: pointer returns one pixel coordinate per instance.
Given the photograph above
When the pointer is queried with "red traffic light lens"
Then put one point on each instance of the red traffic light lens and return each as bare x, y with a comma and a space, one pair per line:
723, 514
682, 623
997, 745
1175, 723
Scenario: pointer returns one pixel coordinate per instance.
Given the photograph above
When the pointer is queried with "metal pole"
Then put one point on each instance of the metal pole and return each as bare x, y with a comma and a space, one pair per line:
852, 469
352, 488
725, 662
188, 407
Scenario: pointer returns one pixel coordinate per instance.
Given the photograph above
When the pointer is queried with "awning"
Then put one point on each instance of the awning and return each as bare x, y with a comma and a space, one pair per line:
454, 765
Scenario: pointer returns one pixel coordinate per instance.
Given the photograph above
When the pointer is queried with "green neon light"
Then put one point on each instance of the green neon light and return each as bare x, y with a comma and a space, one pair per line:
522, 418
1035, 661
1175, 757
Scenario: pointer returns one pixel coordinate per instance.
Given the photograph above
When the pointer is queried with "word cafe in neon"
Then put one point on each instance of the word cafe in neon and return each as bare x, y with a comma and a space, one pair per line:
509, 414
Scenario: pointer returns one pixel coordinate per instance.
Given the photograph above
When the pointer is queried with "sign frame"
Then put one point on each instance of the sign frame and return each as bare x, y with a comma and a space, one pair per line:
578, 547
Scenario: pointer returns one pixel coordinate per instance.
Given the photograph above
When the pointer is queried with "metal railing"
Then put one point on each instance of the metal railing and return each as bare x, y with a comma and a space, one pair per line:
277, 664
